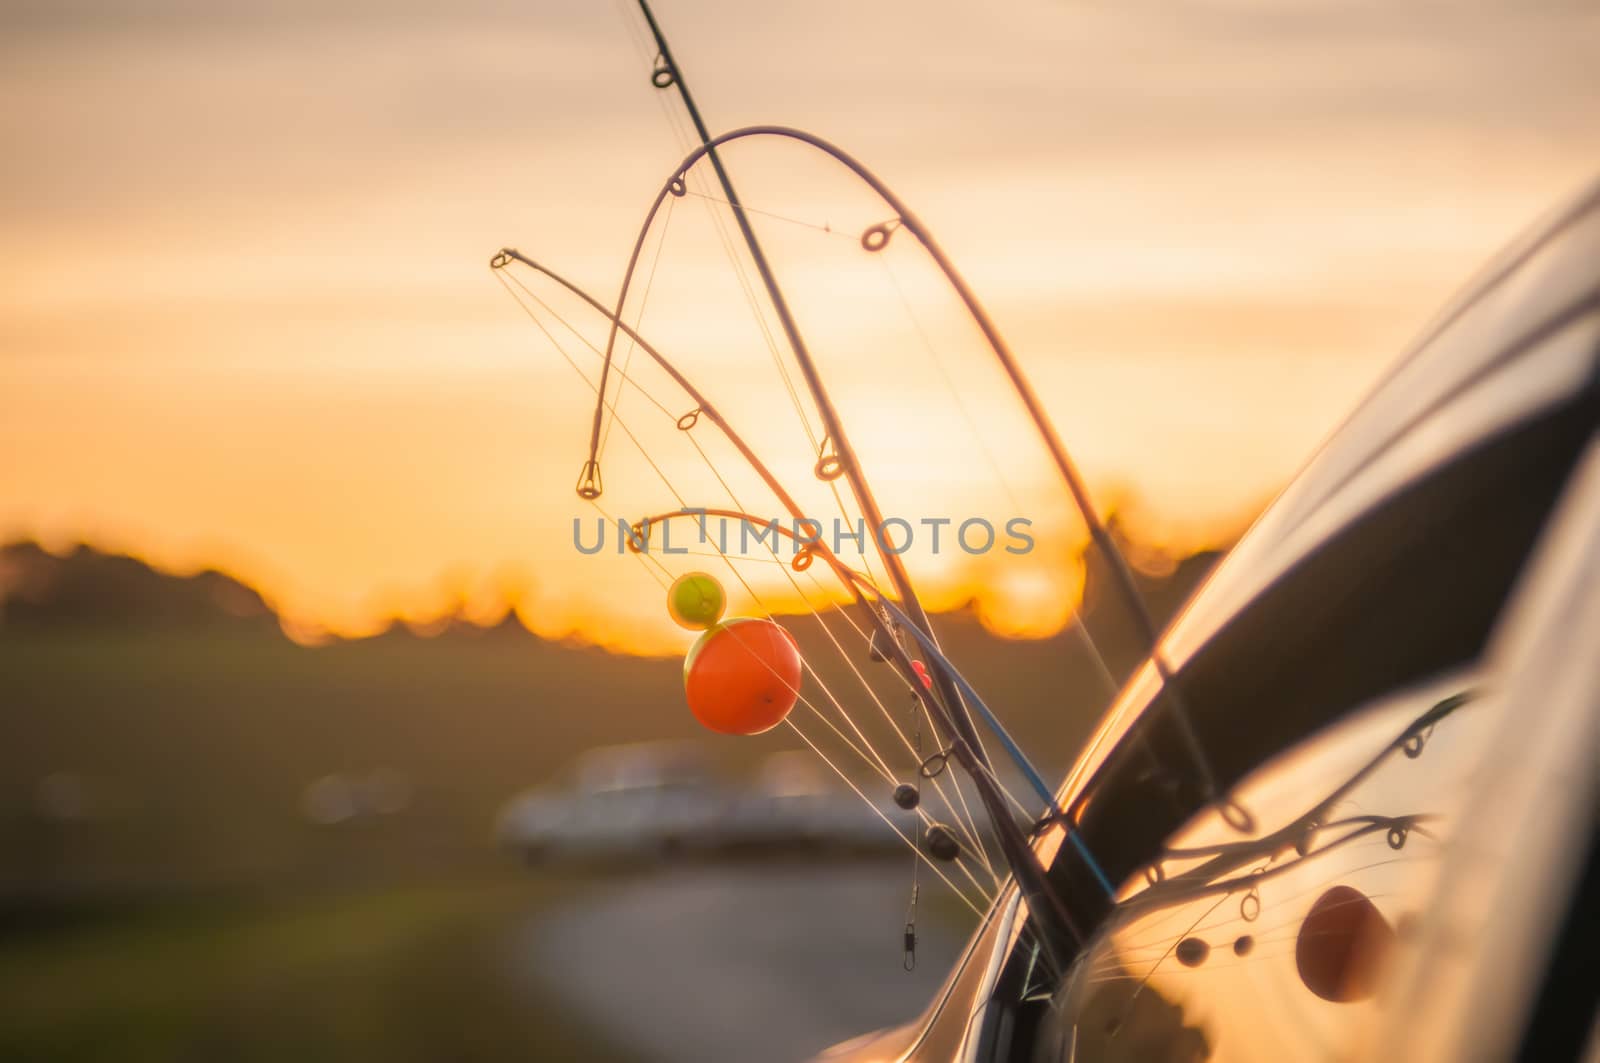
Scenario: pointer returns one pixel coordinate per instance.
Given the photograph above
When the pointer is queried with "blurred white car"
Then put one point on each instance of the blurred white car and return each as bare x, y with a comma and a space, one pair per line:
654, 801
796, 805
645, 801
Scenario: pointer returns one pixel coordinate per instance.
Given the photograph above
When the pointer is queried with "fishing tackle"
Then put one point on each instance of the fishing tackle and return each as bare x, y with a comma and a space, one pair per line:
742, 677
696, 601
941, 842
772, 680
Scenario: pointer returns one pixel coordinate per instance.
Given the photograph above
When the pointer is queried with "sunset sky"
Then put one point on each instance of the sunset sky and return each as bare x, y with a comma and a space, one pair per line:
246, 318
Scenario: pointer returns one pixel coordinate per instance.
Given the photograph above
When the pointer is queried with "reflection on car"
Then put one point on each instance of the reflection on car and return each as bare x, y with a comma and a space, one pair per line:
1395, 679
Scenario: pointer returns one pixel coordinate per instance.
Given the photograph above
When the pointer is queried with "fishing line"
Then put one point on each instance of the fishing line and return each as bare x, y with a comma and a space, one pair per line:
757, 307
817, 446
591, 476
882, 764
747, 287
514, 279
800, 695
595, 388
685, 140
823, 228
915, 850
919, 712
979, 912
1077, 624
651, 57
659, 405
740, 558
648, 558
884, 769
664, 577
638, 322
1019, 759
969, 826
973, 846
1174, 703
930, 647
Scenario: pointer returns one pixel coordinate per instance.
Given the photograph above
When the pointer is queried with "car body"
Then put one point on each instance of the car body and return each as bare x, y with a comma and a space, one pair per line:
1408, 627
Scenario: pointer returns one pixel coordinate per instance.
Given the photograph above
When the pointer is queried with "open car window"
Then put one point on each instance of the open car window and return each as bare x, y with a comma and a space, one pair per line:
1410, 880
1408, 588
1395, 435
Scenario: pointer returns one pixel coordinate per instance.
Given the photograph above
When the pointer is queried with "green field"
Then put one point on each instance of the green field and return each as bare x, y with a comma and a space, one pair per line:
402, 973
172, 887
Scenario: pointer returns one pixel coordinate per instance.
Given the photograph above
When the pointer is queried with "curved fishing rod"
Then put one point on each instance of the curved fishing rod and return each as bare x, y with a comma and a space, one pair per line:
1035, 780
704, 406
807, 547
668, 75
1019, 854
874, 239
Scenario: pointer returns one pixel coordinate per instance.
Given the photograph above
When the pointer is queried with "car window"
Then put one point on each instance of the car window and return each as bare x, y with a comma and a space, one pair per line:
1491, 334
1409, 590
1407, 865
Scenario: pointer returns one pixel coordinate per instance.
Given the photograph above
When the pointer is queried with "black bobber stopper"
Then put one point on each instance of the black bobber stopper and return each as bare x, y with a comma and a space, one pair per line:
941, 843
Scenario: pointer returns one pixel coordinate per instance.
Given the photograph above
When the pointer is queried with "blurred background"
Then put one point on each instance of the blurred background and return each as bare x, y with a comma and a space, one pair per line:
320, 737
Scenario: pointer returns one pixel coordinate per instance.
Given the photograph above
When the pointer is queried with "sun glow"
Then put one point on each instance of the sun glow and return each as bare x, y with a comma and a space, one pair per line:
247, 323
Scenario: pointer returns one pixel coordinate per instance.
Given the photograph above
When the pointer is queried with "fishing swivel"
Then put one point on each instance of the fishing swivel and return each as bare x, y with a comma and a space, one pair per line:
910, 939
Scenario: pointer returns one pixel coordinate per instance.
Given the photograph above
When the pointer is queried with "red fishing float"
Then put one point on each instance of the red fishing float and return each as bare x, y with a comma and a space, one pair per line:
742, 676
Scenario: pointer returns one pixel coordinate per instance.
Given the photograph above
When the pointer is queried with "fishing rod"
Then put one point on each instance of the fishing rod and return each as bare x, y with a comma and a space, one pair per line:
1019, 854
874, 239
806, 547
667, 75
705, 407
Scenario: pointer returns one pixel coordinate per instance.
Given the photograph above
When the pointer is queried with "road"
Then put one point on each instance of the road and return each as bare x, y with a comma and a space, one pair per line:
742, 963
